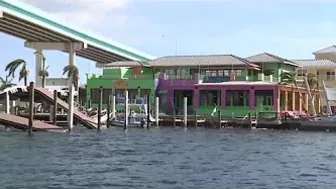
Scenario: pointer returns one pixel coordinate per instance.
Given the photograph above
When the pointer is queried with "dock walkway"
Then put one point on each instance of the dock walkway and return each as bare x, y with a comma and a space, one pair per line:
19, 122
83, 119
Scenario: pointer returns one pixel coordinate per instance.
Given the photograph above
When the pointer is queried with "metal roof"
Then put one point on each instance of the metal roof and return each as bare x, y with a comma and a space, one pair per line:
327, 50
32, 24
123, 64
269, 58
312, 63
201, 60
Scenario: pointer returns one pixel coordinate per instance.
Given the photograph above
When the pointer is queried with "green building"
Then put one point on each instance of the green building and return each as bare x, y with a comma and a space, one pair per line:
134, 76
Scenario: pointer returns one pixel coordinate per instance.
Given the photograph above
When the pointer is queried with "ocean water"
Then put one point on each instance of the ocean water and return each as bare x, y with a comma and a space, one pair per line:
168, 158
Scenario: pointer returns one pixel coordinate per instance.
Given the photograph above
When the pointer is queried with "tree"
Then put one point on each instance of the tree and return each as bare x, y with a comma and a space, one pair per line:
44, 73
14, 65
72, 72
6, 83
289, 78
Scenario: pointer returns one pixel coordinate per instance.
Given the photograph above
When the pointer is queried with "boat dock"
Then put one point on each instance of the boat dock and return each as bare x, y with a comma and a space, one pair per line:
80, 116
19, 122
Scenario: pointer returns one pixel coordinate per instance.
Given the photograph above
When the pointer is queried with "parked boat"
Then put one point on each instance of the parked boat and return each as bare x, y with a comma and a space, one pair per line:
137, 117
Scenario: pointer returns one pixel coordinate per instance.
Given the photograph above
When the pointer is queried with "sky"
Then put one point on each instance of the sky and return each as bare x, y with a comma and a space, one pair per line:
292, 29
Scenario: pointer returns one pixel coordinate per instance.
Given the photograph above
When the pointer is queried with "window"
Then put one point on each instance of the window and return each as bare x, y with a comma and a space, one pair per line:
106, 94
210, 97
220, 72
226, 72
238, 72
95, 95
237, 98
330, 76
301, 72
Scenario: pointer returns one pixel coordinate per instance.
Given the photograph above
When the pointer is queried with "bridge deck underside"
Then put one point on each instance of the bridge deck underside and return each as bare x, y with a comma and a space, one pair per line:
28, 31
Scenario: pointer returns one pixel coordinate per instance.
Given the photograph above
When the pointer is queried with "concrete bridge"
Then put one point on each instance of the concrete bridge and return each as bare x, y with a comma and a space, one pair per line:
43, 32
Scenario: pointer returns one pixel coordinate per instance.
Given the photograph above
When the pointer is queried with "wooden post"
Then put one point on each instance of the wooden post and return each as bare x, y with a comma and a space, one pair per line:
100, 106
108, 111
250, 119
31, 107
126, 111
7, 103
185, 111
195, 113
157, 111
113, 106
174, 117
148, 110
55, 108
220, 118
286, 101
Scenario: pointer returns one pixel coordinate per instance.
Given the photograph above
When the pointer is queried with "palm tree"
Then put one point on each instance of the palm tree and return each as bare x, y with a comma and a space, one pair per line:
72, 72
6, 83
44, 73
24, 72
289, 78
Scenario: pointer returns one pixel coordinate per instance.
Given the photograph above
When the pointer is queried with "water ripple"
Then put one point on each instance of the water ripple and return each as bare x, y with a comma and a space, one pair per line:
168, 158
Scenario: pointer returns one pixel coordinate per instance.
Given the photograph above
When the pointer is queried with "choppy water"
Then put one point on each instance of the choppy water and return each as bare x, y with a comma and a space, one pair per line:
168, 158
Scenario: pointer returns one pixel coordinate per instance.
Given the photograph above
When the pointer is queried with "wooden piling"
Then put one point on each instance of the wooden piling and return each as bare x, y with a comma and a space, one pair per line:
157, 111
174, 117
113, 106
31, 107
126, 111
108, 111
55, 108
196, 120
100, 106
219, 118
148, 110
185, 111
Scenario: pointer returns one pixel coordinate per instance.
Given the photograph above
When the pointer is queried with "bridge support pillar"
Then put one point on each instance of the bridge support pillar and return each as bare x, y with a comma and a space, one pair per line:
38, 67
1, 13
72, 59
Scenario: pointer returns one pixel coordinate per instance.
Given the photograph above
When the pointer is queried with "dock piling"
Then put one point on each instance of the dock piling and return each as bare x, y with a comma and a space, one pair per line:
185, 111
113, 106
220, 118
55, 108
196, 120
108, 111
157, 111
126, 111
31, 107
89, 104
174, 117
148, 110
7, 103
100, 106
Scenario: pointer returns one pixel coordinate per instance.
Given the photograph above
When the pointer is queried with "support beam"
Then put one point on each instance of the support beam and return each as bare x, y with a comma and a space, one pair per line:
55, 45
72, 58
286, 101
38, 67
1, 13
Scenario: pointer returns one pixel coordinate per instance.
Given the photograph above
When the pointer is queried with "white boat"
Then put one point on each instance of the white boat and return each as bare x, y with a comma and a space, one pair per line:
137, 117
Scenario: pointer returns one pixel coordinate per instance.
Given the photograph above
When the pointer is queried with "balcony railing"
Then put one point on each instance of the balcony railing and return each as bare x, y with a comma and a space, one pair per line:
220, 79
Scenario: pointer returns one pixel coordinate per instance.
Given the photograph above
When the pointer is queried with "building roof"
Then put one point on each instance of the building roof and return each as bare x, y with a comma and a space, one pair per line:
330, 49
201, 60
269, 58
123, 64
312, 63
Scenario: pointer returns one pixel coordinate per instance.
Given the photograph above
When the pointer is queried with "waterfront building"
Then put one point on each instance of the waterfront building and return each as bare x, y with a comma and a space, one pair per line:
136, 77
236, 86
323, 67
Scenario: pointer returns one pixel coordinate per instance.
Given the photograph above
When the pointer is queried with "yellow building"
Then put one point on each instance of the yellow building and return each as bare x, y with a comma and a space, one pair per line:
324, 67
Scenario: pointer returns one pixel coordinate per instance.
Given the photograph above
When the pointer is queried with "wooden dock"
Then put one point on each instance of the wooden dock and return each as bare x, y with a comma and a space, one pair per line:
83, 119
19, 122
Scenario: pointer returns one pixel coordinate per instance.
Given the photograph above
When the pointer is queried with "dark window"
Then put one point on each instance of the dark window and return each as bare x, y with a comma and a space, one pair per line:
210, 97
237, 98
